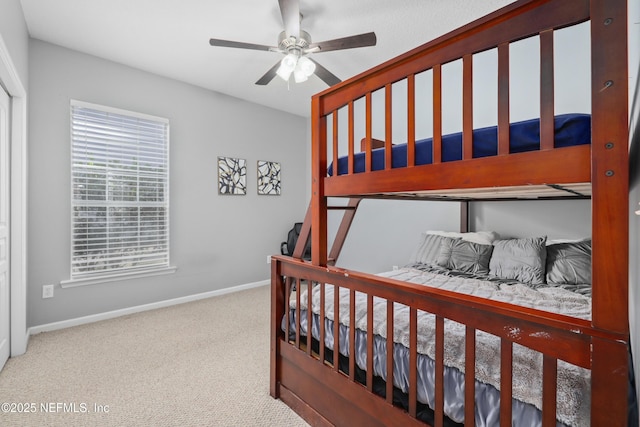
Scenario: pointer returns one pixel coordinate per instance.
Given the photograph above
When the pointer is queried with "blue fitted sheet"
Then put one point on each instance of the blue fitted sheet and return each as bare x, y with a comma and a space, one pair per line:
570, 130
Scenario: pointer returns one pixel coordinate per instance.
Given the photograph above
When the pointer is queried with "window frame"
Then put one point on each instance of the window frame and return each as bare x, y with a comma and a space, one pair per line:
101, 276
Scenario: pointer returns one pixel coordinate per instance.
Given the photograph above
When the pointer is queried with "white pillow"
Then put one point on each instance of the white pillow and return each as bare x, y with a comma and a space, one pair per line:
480, 237
556, 241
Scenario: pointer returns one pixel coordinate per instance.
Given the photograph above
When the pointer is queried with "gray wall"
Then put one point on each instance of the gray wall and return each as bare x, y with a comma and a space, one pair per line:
564, 219
634, 198
634, 238
385, 232
216, 241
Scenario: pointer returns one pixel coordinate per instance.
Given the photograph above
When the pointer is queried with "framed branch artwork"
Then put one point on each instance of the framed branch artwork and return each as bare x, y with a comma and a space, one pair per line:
232, 176
268, 178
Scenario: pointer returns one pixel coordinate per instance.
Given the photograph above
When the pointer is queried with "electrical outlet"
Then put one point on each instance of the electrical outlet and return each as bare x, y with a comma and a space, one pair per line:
268, 259
395, 267
47, 291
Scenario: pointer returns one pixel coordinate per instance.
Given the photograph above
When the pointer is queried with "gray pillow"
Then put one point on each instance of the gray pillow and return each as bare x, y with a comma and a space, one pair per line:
428, 249
569, 263
461, 255
520, 259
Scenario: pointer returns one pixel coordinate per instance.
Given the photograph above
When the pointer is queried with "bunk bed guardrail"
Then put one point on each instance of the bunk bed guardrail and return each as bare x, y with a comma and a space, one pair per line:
329, 380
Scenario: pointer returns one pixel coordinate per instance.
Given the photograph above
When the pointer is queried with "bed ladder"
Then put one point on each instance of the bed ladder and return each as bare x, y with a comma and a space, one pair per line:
305, 232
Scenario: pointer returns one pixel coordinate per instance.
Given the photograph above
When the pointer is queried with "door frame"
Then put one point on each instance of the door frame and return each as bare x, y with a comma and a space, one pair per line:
10, 81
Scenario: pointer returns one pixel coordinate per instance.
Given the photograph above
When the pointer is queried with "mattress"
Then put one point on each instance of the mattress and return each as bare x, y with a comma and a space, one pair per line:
570, 130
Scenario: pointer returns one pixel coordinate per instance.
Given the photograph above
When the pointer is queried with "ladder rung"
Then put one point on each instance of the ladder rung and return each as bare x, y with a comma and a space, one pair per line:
343, 208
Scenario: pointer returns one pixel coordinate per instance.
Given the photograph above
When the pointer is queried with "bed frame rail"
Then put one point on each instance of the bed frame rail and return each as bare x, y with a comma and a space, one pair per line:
300, 374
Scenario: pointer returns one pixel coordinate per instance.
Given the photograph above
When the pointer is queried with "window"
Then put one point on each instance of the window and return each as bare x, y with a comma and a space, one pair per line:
120, 192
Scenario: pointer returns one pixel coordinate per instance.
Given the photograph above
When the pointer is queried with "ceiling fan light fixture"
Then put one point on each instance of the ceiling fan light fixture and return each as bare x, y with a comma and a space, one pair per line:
306, 66
299, 75
287, 65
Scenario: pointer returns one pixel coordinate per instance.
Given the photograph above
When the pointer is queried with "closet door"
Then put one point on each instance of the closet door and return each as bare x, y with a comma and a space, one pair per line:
4, 227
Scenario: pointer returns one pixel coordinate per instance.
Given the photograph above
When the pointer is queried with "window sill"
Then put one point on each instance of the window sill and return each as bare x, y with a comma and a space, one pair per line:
73, 283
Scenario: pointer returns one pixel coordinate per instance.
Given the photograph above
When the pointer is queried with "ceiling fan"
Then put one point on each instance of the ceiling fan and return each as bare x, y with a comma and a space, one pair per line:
297, 46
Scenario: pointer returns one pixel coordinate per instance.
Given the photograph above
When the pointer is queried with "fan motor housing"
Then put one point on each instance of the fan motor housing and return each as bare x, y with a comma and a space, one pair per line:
291, 43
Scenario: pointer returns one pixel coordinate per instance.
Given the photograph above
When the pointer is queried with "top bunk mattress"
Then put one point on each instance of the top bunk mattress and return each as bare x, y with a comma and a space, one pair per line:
569, 129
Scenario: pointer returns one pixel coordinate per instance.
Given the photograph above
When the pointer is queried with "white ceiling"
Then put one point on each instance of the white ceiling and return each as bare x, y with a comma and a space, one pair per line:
171, 37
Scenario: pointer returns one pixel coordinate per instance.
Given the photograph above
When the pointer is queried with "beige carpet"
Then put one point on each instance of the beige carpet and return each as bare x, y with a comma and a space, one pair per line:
204, 363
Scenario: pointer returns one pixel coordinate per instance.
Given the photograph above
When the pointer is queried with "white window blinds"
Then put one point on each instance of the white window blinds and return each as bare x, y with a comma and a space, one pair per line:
120, 191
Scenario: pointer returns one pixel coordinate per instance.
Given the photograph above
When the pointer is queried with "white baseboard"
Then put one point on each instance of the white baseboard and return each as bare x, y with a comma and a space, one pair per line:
140, 308
19, 343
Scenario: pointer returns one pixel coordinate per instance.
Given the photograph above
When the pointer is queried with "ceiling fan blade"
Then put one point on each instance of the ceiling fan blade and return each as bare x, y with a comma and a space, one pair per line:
290, 10
325, 75
240, 45
361, 40
269, 75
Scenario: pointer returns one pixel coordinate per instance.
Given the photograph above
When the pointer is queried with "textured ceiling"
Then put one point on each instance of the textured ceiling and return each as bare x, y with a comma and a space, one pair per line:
171, 37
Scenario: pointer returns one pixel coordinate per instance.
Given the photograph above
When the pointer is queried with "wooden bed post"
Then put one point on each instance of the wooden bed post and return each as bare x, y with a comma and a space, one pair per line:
609, 168
318, 172
610, 222
277, 311
464, 216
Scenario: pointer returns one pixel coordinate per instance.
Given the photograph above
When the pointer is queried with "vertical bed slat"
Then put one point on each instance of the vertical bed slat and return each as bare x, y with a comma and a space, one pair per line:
549, 387
503, 99
388, 157
321, 318
310, 285
437, 113
298, 313
506, 373
467, 106
390, 332
287, 308
335, 143
352, 334
546, 91
413, 360
470, 374
439, 373
370, 342
368, 119
411, 120
336, 328
351, 136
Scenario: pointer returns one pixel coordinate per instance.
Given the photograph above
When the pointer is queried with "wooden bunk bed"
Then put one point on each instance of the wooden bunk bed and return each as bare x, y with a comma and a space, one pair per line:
329, 388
